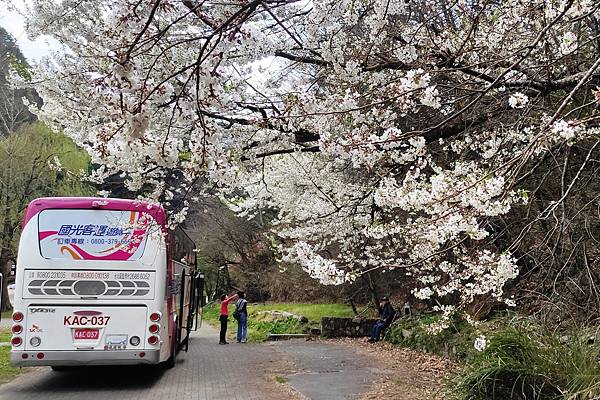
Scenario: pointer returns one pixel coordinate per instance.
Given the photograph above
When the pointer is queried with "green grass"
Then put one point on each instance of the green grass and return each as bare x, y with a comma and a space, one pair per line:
314, 312
523, 360
5, 335
455, 342
7, 372
527, 361
280, 379
259, 330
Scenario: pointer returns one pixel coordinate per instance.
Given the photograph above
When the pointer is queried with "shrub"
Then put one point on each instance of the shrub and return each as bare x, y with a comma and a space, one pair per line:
456, 341
527, 362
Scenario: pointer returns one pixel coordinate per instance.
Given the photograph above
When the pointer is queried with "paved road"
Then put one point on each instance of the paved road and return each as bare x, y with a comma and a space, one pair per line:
328, 371
211, 372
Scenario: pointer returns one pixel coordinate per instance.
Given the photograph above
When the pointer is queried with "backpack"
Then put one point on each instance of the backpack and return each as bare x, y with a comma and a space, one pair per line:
238, 307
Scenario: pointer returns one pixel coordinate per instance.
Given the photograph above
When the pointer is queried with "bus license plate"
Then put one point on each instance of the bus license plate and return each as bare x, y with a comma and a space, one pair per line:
86, 334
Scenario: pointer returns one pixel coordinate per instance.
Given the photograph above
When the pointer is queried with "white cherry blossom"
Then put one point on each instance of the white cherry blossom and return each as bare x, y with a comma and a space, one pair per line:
383, 135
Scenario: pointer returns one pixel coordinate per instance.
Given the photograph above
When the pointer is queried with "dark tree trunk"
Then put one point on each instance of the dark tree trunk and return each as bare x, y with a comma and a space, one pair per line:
372, 288
354, 310
4, 259
5, 256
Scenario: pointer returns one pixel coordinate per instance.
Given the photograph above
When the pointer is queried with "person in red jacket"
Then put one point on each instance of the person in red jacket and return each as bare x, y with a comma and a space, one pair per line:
225, 300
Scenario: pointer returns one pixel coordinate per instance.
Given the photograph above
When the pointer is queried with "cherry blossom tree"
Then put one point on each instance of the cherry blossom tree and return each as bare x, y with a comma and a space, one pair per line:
387, 135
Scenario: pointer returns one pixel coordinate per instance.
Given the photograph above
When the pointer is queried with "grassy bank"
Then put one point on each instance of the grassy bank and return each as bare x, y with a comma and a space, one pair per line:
7, 372
519, 358
259, 325
5, 335
455, 342
526, 361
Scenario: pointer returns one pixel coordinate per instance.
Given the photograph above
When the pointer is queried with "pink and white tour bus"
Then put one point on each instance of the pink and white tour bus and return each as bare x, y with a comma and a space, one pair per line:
102, 282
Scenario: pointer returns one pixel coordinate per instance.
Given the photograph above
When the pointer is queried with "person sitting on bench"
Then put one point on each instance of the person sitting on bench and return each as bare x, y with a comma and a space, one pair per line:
386, 316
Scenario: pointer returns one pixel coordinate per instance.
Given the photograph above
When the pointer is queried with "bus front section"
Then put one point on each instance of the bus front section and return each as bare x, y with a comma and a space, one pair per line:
90, 284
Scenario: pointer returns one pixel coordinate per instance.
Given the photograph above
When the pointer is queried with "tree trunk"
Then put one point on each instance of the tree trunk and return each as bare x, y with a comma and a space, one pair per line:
227, 278
372, 289
4, 258
354, 310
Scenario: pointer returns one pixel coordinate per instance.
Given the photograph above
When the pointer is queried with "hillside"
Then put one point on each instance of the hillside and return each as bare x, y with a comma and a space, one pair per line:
13, 113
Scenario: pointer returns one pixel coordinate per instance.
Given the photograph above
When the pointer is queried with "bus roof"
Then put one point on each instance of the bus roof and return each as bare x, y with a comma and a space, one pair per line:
95, 203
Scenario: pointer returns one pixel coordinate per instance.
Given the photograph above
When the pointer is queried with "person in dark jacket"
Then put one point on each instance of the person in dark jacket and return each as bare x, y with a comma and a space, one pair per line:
386, 317
241, 311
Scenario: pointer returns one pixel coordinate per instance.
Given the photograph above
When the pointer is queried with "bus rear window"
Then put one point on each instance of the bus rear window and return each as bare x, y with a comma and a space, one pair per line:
93, 234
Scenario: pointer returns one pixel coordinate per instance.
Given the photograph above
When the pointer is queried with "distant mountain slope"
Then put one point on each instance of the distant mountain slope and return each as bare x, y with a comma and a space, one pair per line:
13, 113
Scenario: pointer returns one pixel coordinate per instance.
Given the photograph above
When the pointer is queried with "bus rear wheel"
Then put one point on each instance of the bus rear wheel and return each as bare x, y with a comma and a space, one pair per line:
60, 368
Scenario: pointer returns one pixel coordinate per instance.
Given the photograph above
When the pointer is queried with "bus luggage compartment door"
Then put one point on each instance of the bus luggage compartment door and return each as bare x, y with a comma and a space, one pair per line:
60, 327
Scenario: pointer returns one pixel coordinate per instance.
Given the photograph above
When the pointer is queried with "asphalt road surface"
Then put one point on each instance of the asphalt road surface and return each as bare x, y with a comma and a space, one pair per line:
316, 369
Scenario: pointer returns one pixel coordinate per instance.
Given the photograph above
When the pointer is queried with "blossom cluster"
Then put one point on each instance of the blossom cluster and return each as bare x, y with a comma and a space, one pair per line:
385, 135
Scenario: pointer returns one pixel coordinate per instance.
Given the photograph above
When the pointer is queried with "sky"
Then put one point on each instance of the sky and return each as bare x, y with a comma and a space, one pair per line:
14, 23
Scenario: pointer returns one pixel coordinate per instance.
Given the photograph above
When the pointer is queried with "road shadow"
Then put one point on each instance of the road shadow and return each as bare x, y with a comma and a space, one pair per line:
113, 378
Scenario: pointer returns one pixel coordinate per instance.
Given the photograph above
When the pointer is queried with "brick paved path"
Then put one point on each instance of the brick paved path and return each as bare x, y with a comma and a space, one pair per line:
207, 372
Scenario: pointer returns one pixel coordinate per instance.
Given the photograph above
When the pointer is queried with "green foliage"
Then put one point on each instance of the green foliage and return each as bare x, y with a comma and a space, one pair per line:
34, 162
20, 68
523, 359
13, 111
259, 329
185, 156
314, 312
7, 372
210, 313
456, 341
9, 51
31, 149
5, 335
526, 361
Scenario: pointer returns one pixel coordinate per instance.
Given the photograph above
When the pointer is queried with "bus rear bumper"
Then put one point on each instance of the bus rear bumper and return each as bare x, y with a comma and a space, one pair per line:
88, 357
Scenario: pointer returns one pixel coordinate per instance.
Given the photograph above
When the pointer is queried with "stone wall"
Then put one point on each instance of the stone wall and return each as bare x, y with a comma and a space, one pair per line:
346, 327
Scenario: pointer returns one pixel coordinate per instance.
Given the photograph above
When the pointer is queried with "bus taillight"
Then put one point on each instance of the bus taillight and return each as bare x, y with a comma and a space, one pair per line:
153, 340
154, 328
17, 316
17, 329
155, 317
16, 341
